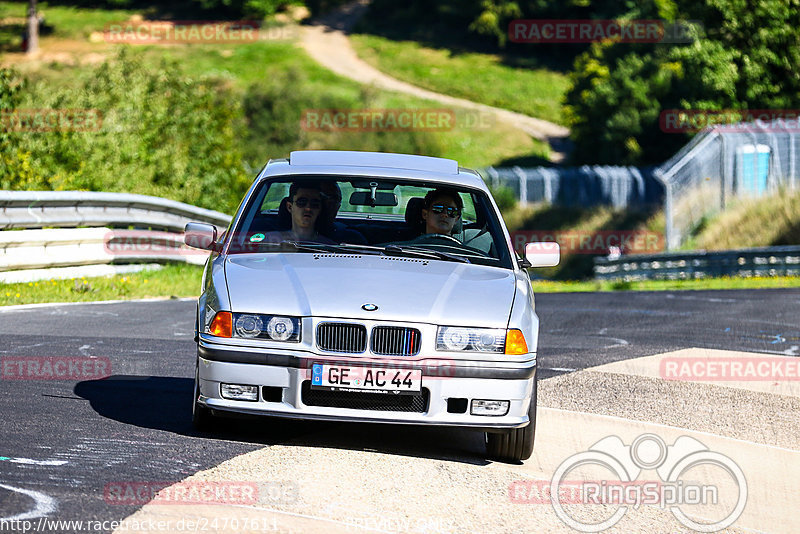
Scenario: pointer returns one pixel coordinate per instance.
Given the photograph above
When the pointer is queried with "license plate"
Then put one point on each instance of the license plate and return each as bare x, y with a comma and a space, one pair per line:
374, 379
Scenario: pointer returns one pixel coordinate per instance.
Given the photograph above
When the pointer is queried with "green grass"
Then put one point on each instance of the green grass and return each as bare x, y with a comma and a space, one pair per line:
549, 286
768, 221
576, 265
67, 22
244, 64
179, 280
474, 76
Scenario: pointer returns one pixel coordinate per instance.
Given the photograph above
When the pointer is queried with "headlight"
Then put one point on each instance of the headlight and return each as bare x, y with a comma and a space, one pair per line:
281, 328
454, 339
248, 325
272, 327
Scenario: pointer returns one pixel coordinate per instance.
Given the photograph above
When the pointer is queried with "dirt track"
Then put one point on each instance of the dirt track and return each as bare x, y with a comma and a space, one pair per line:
327, 43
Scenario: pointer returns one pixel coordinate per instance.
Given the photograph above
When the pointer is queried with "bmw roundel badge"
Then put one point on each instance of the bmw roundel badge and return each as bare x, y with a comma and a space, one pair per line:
369, 307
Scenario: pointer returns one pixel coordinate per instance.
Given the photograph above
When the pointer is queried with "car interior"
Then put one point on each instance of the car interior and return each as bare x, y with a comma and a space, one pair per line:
376, 228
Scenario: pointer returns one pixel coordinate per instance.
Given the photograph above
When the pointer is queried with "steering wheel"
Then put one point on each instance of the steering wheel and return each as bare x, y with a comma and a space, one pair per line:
435, 237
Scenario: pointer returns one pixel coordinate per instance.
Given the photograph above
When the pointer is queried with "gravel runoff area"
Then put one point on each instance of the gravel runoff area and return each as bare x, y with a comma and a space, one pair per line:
758, 417
339, 490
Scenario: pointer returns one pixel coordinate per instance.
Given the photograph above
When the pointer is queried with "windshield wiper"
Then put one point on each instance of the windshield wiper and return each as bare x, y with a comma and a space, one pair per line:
310, 246
425, 252
329, 247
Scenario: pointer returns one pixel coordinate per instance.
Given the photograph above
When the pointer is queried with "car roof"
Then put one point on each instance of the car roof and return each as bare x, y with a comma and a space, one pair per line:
352, 163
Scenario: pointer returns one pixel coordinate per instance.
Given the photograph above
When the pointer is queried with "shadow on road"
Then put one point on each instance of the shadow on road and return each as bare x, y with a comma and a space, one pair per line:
164, 403
160, 403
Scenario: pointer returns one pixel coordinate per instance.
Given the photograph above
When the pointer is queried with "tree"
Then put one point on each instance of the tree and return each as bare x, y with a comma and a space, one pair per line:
33, 28
746, 58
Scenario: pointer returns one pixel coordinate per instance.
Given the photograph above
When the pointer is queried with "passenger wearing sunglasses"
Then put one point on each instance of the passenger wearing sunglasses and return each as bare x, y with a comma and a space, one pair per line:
305, 207
441, 210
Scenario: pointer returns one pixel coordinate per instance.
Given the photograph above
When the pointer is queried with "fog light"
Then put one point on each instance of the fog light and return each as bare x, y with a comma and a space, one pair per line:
489, 407
239, 392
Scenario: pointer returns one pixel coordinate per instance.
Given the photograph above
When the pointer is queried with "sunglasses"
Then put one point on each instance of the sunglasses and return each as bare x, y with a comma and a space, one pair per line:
313, 203
451, 212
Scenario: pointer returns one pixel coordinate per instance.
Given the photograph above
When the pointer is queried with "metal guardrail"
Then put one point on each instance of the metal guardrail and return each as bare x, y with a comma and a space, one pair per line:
27, 244
59, 247
70, 209
768, 261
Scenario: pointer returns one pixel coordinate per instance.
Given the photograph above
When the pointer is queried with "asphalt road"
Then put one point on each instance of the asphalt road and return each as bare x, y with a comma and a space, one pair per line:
68, 440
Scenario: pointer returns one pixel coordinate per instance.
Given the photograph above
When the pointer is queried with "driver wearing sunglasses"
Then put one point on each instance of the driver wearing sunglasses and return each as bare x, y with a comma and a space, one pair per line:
441, 210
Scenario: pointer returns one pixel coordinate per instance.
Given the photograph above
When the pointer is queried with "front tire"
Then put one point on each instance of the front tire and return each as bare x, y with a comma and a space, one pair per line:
202, 418
516, 444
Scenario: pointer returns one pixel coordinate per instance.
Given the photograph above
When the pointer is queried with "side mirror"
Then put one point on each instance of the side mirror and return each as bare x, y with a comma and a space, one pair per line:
542, 254
200, 235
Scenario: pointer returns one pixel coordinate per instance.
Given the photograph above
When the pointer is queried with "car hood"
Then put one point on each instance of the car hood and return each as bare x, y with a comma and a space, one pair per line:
338, 285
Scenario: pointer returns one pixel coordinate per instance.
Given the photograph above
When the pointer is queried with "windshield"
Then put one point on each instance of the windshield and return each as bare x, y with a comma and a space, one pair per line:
371, 216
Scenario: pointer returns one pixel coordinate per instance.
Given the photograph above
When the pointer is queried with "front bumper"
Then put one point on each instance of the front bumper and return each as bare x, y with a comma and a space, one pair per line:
443, 380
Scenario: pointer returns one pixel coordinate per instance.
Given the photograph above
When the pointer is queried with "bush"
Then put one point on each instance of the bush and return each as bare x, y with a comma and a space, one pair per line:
174, 136
162, 134
274, 109
15, 162
246, 8
505, 197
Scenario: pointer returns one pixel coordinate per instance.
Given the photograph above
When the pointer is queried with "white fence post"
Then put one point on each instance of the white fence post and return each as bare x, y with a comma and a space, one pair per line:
523, 185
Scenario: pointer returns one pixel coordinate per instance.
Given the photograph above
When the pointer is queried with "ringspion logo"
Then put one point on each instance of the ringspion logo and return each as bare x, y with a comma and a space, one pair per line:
704, 490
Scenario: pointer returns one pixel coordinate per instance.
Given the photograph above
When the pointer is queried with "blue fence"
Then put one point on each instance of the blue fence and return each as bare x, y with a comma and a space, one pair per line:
620, 187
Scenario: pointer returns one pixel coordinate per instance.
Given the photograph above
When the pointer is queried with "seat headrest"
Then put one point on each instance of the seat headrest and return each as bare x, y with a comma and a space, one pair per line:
414, 212
284, 217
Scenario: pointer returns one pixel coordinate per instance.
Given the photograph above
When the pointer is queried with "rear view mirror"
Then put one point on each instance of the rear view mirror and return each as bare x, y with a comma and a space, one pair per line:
543, 254
364, 198
200, 235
